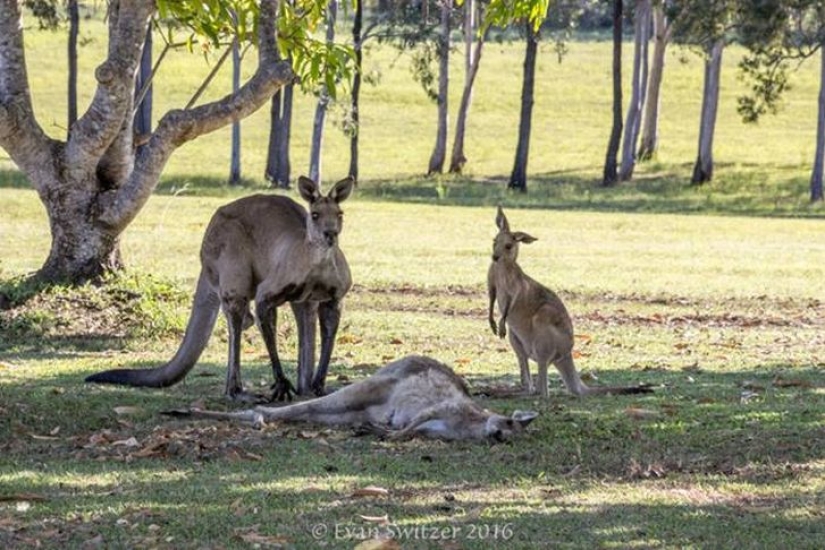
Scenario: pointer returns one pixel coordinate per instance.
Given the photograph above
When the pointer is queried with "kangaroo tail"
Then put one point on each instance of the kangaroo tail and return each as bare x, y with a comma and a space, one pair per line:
205, 308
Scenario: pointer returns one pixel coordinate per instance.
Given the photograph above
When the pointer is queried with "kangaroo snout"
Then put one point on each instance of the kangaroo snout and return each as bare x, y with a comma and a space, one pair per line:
331, 237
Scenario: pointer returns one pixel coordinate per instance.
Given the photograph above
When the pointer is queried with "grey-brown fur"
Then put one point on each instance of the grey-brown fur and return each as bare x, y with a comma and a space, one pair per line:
539, 325
415, 395
270, 250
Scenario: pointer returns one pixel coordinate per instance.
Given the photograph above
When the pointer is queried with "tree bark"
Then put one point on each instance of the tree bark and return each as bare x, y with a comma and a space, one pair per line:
235, 154
357, 43
143, 113
703, 169
74, 29
819, 155
439, 154
650, 129
610, 176
472, 57
518, 178
94, 184
317, 143
638, 85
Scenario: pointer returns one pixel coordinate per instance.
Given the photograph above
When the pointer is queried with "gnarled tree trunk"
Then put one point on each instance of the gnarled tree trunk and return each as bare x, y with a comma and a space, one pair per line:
94, 183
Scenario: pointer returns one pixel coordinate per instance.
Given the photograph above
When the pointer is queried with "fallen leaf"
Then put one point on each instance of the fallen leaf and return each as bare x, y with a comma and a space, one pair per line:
131, 442
753, 386
371, 491
44, 437
376, 519
396, 341
126, 410
791, 383
19, 497
378, 544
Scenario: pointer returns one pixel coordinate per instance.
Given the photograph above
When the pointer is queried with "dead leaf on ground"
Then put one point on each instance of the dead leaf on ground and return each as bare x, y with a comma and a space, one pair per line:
379, 544
383, 520
22, 497
131, 442
127, 410
780, 382
44, 437
371, 491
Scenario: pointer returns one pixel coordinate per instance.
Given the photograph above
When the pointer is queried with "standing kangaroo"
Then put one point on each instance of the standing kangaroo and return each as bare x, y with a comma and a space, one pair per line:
540, 327
268, 249
411, 396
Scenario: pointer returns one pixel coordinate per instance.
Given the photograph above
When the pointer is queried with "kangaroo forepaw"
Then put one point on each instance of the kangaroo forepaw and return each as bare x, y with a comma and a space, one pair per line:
282, 390
502, 330
494, 326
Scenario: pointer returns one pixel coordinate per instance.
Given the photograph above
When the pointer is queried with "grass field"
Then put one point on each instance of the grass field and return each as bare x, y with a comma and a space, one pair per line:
714, 295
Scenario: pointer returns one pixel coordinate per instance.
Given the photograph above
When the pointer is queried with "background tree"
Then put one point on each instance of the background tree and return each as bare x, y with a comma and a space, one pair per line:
638, 88
324, 97
439, 154
518, 177
649, 141
610, 174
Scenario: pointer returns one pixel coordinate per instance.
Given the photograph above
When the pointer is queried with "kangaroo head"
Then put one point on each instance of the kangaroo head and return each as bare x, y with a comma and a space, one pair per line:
505, 245
325, 218
502, 428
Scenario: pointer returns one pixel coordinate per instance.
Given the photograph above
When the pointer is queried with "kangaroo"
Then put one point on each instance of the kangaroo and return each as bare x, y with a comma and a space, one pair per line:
412, 396
268, 249
540, 327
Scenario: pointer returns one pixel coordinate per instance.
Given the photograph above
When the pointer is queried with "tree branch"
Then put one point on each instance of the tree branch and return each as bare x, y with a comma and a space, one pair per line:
20, 134
91, 135
177, 127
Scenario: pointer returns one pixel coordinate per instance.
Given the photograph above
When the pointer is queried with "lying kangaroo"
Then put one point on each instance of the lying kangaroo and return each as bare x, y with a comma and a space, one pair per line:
412, 396
264, 248
540, 327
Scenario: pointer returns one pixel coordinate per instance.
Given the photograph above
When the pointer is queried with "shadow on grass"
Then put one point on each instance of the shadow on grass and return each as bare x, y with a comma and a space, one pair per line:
582, 477
738, 189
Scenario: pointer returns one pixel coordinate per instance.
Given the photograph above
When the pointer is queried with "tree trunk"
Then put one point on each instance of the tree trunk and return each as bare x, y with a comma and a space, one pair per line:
703, 169
819, 155
235, 156
74, 28
518, 178
638, 84
611, 176
357, 25
439, 154
472, 57
278, 166
650, 130
143, 113
323, 104
94, 184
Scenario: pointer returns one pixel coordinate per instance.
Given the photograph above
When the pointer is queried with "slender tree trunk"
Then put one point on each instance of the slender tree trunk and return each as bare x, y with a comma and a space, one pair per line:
472, 58
357, 25
611, 176
235, 157
634, 109
439, 154
819, 155
278, 166
143, 113
650, 129
323, 104
703, 169
518, 178
74, 27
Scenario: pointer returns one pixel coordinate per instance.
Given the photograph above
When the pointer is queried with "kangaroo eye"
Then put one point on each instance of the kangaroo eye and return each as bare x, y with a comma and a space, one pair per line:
508, 246
315, 216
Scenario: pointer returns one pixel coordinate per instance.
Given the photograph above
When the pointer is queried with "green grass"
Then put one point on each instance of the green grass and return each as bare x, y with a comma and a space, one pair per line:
713, 294
722, 313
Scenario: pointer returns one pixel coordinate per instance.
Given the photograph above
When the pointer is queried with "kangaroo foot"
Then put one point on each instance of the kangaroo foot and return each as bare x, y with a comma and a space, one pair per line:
246, 397
282, 390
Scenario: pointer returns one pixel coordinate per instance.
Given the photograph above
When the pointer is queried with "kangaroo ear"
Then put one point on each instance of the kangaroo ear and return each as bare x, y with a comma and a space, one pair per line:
341, 190
524, 417
308, 189
501, 220
522, 237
